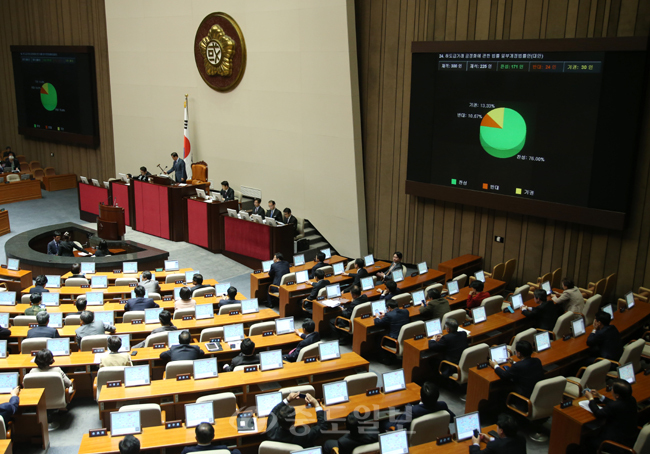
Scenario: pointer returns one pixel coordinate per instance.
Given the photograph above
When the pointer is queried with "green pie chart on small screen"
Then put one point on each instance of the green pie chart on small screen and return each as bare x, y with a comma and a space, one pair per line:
503, 132
48, 96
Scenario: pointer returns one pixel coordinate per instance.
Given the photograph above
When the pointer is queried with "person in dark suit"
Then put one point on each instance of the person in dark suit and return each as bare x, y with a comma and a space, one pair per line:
619, 415
7, 152
393, 319
67, 246
227, 192
309, 336
39, 285
232, 298
246, 357
183, 351
11, 164
320, 263
129, 445
42, 330
353, 438
396, 265
524, 373
436, 306
257, 208
75, 269
429, 394
289, 219
605, 340
507, 443
357, 298
320, 283
391, 291
204, 434
178, 168
53, 246
139, 303
279, 268
165, 318
197, 283
280, 423
9, 409
451, 345
273, 212
361, 272
102, 249
144, 174
545, 314
80, 304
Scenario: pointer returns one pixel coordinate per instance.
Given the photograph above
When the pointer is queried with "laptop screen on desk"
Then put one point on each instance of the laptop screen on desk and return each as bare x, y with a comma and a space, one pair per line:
302, 276
338, 268
284, 325
546, 286
94, 299
53, 281
452, 287
336, 392
542, 341
270, 360
417, 297
479, 315
298, 260
126, 342
378, 307
250, 306
480, 276
125, 423
394, 381
499, 354
99, 281
517, 301
329, 350
13, 264
49, 299
629, 299
266, 265
171, 265
333, 291
398, 275
205, 368
105, 316
367, 283
267, 402
8, 381
151, 315
59, 347
369, 260
578, 327
422, 268
3, 347
172, 337
395, 442
197, 413
233, 332
8, 299
129, 267
56, 320
222, 289
137, 375
626, 373
4, 320
609, 310
203, 311
87, 268
434, 327
466, 425
189, 275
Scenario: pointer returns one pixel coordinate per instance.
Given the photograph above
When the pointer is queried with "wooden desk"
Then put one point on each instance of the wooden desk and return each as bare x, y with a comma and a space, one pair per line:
455, 447
16, 281
464, 264
250, 243
120, 292
18, 191
260, 281
204, 222
160, 275
6, 447
30, 422
459, 300
292, 295
226, 430
4, 223
60, 182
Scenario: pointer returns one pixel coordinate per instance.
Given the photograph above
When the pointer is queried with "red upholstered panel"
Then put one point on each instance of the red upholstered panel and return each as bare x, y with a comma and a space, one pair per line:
121, 198
163, 218
152, 209
247, 238
139, 205
197, 222
90, 196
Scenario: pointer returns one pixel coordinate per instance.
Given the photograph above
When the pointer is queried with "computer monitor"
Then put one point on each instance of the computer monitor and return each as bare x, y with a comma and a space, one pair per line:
270, 221
59, 346
94, 299
626, 372
338, 268
8, 299
578, 327
418, 297
8, 381
4, 320
99, 282
395, 442
125, 423
517, 301
480, 276
434, 327
123, 177
266, 265
151, 315
129, 267
329, 350
53, 281
378, 307
546, 286
50, 299
56, 320
177, 292
479, 315
13, 264
466, 425
105, 316
335, 392
250, 306
284, 325
171, 265
270, 360
203, 311
146, 294
222, 288
333, 291
232, 213
422, 268
189, 275
200, 193
137, 375
610, 310
205, 368
126, 342
298, 260
233, 332
197, 413
257, 219
264, 403
367, 283
393, 381
302, 276
452, 287
87, 268
172, 337
369, 260
327, 252
398, 275
244, 215
542, 341
629, 300
3, 347
499, 354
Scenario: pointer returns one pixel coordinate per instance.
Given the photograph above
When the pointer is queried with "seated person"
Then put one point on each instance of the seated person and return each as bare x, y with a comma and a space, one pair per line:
525, 373
44, 360
80, 304
391, 291
184, 300
129, 445
53, 246
5, 333
545, 314
280, 423
204, 433
144, 174
67, 246
507, 443
273, 212
435, 307
183, 351
309, 336
429, 394
90, 326
11, 164
232, 298
476, 294
39, 285
571, 299
246, 357
102, 249
75, 269
226, 191
451, 345
139, 303
257, 208
396, 265
9, 409
605, 340
114, 357
353, 438
165, 318
361, 272
35, 308
393, 319
357, 298
279, 268
197, 282
42, 330
320, 283
150, 285
320, 262
290, 220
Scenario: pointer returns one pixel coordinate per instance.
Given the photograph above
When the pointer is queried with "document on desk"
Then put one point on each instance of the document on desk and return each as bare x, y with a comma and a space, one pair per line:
466, 331
585, 404
181, 185
331, 303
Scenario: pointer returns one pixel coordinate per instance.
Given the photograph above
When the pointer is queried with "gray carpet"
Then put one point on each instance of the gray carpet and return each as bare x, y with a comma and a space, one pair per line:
63, 206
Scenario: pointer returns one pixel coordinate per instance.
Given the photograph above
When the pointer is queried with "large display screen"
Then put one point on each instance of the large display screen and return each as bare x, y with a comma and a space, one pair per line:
539, 127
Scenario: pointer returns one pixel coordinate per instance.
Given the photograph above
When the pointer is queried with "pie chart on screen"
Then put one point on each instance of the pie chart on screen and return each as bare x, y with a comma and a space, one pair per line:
48, 96
503, 132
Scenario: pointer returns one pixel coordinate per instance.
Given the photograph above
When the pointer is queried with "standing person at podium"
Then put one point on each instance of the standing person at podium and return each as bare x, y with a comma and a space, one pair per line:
274, 212
257, 208
178, 168
290, 220
67, 245
144, 175
227, 192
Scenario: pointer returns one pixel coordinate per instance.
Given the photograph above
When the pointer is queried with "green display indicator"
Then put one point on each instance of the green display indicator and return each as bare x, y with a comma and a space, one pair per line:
453, 181
503, 132
48, 96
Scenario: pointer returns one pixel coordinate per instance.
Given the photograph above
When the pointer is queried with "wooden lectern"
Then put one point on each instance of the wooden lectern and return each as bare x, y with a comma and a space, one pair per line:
110, 223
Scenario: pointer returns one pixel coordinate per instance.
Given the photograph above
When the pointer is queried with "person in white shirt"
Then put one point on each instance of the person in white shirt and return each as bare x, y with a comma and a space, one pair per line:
185, 300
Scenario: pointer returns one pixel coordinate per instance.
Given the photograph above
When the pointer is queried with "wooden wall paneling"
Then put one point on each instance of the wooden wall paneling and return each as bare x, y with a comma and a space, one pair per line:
497, 25
597, 254
450, 20
547, 251
516, 22
472, 18
440, 23
642, 26
462, 19
556, 28
627, 17
571, 25
611, 20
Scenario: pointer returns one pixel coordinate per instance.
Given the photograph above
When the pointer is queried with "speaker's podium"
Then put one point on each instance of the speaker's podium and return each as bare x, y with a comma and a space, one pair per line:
110, 223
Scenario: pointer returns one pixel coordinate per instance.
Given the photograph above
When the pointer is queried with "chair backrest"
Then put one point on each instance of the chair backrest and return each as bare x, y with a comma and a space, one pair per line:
300, 223
150, 414
591, 307
72, 319
360, 383
75, 282
459, 315
402, 299
13, 177
211, 333
498, 270
556, 278
259, 328
35, 165
610, 286
238, 195
527, 335
408, 331
226, 308
171, 278
509, 271
180, 313
156, 338
49, 171
470, 358
200, 171
224, 404
544, 278
546, 395
155, 296
371, 448
327, 270
632, 354
492, 304
429, 427
3, 429
642, 444
132, 315
287, 277
52, 383
349, 266
94, 341
21, 158
595, 376
599, 288
35, 343
277, 447
106, 374
24, 300
461, 279
174, 368
563, 324
361, 309
125, 281
310, 350
438, 287
203, 291
24, 320
524, 291
302, 389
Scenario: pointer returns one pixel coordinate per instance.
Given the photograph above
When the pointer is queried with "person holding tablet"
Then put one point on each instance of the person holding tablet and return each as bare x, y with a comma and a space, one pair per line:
436, 306
280, 424
524, 373
397, 264
309, 336
544, 315
507, 443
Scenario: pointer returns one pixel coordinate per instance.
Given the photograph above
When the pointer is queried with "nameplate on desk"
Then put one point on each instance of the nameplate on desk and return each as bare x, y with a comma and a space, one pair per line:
173, 424
417, 337
188, 317
320, 298
364, 316
480, 366
291, 283
117, 271
311, 359
3, 267
444, 440
216, 340
329, 275
233, 313
566, 404
133, 284
124, 301
34, 352
114, 384
97, 433
137, 321
179, 282
180, 377
373, 392
159, 270
208, 295
257, 271
467, 323
407, 305
159, 345
167, 298
99, 350
33, 325
85, 286
267, 333
250, 369
622, 309
567, 337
